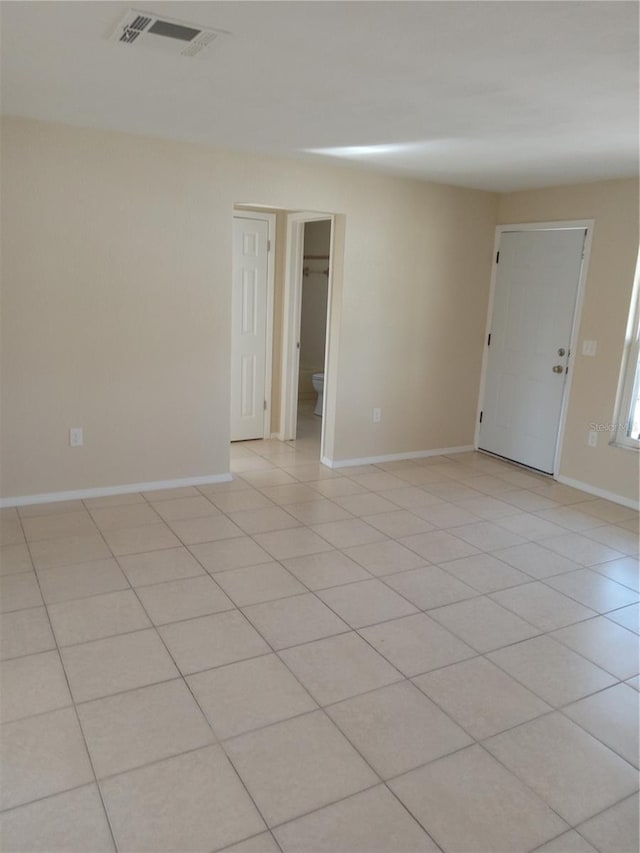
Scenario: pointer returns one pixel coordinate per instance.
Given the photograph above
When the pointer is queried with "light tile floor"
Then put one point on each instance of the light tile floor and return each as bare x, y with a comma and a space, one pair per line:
434, 654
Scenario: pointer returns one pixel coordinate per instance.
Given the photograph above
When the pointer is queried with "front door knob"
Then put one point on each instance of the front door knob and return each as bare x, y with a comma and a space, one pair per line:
558, 368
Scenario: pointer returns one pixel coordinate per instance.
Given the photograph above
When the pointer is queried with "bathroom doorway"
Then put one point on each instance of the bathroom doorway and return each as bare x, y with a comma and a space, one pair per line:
306, 339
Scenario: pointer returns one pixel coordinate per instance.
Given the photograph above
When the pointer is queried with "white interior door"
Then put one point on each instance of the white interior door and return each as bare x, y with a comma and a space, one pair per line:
536, 286
249, 327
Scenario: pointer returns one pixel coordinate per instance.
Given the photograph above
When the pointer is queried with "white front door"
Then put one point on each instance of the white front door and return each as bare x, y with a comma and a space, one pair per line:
248, 327
536, 286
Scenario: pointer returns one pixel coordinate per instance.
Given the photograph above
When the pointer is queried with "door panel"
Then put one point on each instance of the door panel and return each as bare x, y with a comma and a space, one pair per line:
534, 303
248, 328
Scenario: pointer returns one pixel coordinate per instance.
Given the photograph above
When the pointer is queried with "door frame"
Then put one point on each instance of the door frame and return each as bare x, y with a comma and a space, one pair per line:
270, 219
291, 324
562, 225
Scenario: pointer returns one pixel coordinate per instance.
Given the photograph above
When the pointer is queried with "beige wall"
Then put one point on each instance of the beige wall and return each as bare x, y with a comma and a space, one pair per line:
614, 207
116, 263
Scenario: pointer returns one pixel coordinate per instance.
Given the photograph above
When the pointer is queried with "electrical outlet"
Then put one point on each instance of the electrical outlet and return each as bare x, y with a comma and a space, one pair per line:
593, 438
377, 416
76, 437
589, 347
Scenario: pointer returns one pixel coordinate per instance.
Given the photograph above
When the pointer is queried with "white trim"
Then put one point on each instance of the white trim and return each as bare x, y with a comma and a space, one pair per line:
106, 491
599, 493
291, 325
270, 219
394, 457
570, 225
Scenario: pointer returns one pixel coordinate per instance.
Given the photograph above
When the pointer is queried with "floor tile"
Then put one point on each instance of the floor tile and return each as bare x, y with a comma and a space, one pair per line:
488, 536
542, 606
249, 695
482, 698
86, 619
262, 843
607, 511
210, 641
297, 766
378, 481
385, 557
469, 802
34, 684
616, 829
370, 822
115, 517
397, 728
284, 544
25, 632
17, 592
158, 566
51, 553
593, 590
438, 546
290, 493
173, 493
113, 500
72, 821
265, 520
241, 501
212, 810
54, 508
255, 584
42, 755
348, 533
317, 511
339, 667
568, 842
611, 716
338, 486
228, 554
628, 617
625, 571
488, 508
429, 587
115, 664
366, 602
411, 498
615, 537
192, 531
173, 601
552, 671
485, 573
535, 560
331, 568
445, 515
530, 526
60, 525
141, 726
311, 472
367, 503
606, 644
11, 531
571, 518
180, 508
138, 540
582, 550
483, 624
528, 501
295, 620
15, 559
398, 523
82, 580
572, 771
416, 644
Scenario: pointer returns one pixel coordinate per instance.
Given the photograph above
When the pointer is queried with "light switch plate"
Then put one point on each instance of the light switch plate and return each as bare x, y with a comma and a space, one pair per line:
589, 347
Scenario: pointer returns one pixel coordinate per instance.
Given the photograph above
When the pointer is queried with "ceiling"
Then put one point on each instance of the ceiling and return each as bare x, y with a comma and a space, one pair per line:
492, 95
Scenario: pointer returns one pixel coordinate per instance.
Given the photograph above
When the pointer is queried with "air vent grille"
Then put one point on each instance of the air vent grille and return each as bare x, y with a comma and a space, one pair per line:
162, 34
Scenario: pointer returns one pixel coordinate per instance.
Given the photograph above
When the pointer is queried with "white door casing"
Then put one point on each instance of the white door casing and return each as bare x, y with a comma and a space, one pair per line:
532, 324
249, 322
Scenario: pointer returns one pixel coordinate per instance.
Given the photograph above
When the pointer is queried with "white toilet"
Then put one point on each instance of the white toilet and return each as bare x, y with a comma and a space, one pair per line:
317, 380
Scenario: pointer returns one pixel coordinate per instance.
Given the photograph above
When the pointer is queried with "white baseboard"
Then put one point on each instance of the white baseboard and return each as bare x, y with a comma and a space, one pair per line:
106, 491
394, 457
599, 493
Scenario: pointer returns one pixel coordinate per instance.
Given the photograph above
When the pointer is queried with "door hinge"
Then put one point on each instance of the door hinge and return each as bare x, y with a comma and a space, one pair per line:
498, 258
481, 417
489, 340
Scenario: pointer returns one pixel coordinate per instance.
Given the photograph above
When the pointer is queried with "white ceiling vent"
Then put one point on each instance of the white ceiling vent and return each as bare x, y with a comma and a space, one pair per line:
162, 34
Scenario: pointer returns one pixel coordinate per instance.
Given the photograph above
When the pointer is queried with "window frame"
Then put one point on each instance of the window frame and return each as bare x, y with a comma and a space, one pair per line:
629, 381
